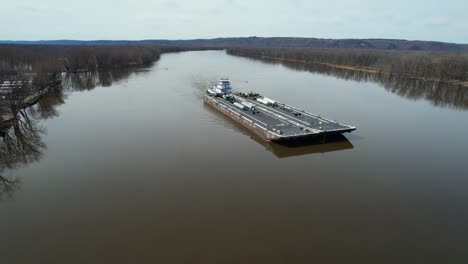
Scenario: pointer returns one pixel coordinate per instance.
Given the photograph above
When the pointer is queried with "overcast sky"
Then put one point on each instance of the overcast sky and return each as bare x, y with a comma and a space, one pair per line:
163, 19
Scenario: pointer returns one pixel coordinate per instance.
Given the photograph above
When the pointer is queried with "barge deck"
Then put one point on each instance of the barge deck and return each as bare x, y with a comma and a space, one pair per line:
275, 121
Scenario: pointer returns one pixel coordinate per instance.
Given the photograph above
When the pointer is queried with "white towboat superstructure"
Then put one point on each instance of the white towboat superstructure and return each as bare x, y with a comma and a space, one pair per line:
222, 87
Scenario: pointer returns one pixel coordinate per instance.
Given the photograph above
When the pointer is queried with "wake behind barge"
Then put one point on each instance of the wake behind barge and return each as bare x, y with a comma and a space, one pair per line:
271, 120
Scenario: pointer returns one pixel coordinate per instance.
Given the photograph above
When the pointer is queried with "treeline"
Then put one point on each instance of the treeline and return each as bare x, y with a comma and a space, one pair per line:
16, 59
275, 42
98, 58
26, 69
438, 93
434, 66
92, 58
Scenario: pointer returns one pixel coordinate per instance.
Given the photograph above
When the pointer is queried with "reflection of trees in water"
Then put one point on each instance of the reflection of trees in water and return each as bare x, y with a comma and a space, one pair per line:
8, 185
21, 143
438, 93
81, 81
21, 139
46, 107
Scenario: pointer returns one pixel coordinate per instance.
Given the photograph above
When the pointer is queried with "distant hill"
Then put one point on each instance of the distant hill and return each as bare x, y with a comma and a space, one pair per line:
275, 42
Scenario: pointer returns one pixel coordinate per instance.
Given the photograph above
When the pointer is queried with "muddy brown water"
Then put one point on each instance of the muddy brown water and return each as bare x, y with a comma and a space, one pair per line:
139, 170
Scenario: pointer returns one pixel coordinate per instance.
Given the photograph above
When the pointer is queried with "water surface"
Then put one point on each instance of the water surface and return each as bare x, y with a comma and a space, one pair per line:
139, 170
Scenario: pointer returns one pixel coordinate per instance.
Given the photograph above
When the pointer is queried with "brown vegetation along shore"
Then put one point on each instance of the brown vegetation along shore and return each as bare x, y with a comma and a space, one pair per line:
370, 70
15, 59
27, 70
273, 42
440, 94
44, 64
447, 68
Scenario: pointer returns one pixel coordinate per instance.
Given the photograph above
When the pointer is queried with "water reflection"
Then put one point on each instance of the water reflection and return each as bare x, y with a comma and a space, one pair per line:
336, 143
8, 185
46, 107
82, 81
438, 93
21, 138
292, 149
20, 145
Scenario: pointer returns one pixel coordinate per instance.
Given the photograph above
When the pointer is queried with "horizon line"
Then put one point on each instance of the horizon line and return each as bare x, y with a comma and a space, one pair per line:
191, 39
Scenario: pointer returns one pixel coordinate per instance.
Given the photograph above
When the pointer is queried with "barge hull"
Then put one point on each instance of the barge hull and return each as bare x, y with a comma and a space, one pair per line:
250, 125
279, 123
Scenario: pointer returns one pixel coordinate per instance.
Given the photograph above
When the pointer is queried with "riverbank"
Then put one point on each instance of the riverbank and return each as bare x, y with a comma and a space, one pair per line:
364, 69
444, 68
6, 114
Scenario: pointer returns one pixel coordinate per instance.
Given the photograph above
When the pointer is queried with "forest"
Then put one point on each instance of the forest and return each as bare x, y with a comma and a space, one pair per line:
15, 59
444, 67
47, 62
272, 42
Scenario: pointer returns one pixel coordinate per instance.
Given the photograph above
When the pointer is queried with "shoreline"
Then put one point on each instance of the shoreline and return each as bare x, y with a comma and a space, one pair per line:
365, 69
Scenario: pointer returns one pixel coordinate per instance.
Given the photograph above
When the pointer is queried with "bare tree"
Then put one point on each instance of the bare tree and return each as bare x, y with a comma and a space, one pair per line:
434, 66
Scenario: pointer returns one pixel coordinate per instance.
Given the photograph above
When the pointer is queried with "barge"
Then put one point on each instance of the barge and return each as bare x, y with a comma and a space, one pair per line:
271, 120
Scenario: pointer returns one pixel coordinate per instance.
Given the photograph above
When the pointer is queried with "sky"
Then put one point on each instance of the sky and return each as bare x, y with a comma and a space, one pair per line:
187, 19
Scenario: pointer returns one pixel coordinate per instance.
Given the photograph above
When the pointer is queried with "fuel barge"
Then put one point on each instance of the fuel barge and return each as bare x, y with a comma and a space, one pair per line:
270, 119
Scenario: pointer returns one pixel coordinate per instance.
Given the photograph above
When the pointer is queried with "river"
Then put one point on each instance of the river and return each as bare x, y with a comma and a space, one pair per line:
139, 170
